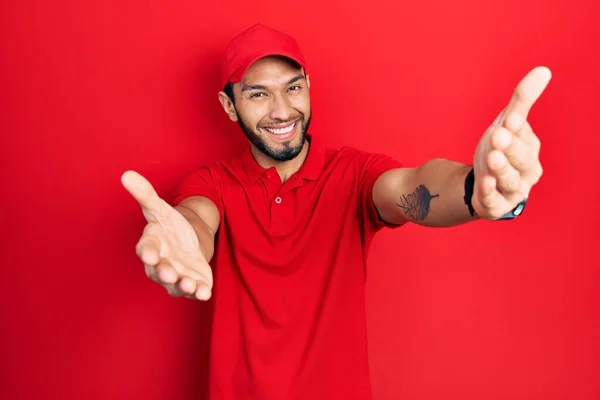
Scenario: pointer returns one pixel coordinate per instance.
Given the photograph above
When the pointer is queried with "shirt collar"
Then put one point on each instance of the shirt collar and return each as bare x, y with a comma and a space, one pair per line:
311, 168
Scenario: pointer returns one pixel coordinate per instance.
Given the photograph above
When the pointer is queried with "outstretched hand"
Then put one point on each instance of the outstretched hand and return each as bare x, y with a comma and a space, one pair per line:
506, 162
169, 246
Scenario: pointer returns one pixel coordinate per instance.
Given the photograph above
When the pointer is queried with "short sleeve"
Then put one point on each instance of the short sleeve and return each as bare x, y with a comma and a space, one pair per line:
372, 166
203, 182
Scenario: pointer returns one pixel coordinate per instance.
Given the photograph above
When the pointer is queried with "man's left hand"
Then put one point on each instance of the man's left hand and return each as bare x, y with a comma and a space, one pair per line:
506, 162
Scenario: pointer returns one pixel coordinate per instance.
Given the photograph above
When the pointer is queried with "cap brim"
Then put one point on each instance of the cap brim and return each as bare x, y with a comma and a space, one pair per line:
241, 71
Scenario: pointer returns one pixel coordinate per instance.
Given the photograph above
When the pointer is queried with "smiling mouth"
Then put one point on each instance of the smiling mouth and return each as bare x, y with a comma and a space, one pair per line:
282, 131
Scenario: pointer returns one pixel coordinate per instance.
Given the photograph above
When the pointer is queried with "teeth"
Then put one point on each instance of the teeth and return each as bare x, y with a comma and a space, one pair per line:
283, 130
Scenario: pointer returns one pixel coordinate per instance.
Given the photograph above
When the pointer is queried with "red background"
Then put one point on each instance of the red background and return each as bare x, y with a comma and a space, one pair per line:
483, 311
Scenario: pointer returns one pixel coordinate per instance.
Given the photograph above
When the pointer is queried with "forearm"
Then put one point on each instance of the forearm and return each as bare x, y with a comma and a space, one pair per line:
206, 238
431, 194
437, 196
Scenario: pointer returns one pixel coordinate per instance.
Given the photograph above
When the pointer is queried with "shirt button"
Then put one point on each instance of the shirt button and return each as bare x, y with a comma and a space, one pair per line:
278, 200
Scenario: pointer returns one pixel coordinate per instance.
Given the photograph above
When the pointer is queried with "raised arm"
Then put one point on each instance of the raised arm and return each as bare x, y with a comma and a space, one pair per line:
506, 165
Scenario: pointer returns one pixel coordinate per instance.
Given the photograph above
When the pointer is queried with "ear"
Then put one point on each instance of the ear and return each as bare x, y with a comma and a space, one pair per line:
308, 81
228, 106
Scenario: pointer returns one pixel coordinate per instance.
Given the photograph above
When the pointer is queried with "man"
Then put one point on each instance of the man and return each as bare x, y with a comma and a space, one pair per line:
287, 226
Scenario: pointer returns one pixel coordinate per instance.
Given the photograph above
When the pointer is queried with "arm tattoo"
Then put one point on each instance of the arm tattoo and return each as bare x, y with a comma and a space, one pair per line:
416, 204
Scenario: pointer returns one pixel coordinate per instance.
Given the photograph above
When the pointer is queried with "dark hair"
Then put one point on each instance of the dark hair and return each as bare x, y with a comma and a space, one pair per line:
228, 89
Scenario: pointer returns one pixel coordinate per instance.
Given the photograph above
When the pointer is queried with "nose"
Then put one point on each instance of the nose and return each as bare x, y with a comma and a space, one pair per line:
281, 109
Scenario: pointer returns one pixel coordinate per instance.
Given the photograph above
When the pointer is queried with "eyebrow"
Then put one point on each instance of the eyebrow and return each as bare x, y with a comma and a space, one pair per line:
262, 87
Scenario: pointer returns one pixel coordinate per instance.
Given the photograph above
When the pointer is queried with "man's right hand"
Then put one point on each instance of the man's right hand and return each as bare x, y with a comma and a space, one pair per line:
169, 246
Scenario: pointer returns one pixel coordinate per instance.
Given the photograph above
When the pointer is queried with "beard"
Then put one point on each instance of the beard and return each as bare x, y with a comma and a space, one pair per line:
286, 151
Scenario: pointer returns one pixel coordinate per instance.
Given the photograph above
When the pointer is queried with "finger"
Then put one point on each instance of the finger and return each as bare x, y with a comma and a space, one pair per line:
488, 194
188, 279
519, 155
200, 287
174, 290
203, 292
151, 272
508, 179
200, 272
166, 273
187, 285
143, 192
528, 137
196, 283
529, 89
148, 249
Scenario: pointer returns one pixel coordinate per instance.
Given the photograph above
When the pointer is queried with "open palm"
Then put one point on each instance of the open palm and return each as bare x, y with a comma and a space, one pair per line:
169, 246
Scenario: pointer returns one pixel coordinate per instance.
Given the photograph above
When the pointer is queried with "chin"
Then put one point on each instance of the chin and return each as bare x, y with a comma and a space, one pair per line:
279, 151
285, 151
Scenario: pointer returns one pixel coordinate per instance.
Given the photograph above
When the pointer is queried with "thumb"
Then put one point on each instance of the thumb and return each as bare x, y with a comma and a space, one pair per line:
529, 89
142, 191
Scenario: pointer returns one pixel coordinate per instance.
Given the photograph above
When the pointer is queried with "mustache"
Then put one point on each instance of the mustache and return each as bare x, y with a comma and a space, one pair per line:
281, 121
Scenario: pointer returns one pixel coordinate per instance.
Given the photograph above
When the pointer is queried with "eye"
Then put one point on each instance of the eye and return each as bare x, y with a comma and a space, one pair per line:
295, 88
257, 95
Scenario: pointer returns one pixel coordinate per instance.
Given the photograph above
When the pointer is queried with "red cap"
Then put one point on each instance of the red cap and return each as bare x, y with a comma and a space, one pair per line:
253, 44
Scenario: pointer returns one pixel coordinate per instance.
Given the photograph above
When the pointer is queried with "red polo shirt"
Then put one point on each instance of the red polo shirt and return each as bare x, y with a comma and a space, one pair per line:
289, 275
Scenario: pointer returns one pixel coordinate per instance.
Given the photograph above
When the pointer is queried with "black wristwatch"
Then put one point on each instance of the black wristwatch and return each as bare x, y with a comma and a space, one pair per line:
470, 184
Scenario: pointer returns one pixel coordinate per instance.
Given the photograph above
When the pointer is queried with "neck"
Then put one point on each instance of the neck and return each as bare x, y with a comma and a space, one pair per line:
285, 169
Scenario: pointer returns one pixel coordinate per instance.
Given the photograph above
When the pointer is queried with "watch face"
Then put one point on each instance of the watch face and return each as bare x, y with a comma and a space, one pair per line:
518, 210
